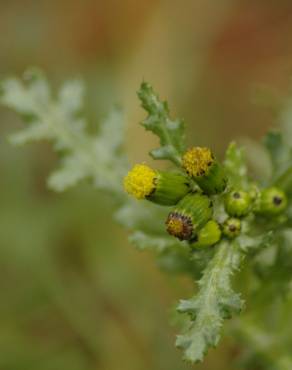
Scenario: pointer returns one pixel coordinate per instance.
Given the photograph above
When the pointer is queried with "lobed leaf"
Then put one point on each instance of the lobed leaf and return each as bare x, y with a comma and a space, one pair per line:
214, 302
170, 132
98, 158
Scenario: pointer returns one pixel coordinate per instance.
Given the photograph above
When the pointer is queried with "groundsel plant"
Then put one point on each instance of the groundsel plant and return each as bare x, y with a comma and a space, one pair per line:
203, 217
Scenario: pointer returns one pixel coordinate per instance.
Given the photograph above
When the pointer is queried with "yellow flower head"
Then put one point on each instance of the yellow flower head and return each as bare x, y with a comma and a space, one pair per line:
175, 227
139, 182
197, 161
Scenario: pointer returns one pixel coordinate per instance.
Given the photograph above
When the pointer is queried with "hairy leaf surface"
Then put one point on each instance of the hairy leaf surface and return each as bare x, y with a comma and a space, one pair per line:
170, 132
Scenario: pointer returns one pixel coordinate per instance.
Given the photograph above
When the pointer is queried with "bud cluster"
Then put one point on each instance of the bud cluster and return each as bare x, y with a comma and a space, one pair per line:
191, 218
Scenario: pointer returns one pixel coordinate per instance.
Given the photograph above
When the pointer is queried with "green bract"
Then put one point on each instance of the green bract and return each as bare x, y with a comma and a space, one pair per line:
165, 188
169, 188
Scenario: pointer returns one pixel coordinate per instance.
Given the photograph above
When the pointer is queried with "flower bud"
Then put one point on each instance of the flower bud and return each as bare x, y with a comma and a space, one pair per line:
165, 188
237, 203
209, 235
232, 227
200, 164
189, 216
271, 201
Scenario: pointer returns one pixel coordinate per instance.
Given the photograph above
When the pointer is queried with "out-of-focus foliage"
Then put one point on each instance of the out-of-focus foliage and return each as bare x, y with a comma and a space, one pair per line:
58, 119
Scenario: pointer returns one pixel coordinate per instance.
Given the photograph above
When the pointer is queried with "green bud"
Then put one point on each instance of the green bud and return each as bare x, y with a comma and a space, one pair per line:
271, 201
189, 216
232, 227
238, 203
209, 235
201, 165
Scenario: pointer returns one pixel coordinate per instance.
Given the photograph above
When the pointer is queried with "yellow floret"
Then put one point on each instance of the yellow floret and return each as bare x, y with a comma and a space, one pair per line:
175, 226
139, 182
197, 161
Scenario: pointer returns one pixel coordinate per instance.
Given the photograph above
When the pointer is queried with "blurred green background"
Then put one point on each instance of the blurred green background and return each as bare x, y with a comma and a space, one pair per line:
74, 294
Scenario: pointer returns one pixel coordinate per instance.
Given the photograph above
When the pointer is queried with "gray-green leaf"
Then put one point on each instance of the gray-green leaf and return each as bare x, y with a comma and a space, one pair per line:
170, 132
214, 302
235, 166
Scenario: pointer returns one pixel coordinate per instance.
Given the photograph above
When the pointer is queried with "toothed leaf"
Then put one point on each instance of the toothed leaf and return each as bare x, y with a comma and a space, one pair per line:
214, 302
170, 132
98, 158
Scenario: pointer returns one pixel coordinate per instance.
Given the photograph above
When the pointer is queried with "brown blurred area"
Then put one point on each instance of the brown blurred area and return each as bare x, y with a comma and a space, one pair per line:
75, 294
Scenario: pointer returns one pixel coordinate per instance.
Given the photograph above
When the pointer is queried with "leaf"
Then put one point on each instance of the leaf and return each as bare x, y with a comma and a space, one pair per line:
269, 345
26, 99
170, 132
250, 244
279, 147
173, 256
34, 132
159, 243
258, 160
143, 215
108, 154
235, 167
98, 158
69, 174
71, 97
214, 302
280, 153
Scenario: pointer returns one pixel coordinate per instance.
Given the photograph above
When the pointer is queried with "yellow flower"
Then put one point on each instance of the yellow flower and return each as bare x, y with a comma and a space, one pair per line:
197, 161
175, 226
139, 182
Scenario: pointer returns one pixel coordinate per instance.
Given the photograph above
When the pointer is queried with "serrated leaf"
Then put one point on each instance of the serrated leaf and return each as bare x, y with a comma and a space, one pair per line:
235, 166
170, 132
214, 302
